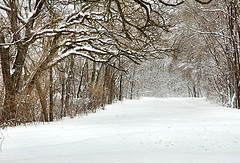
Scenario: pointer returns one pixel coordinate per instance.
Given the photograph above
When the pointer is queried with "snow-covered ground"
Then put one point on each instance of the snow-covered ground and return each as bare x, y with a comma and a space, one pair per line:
150, 130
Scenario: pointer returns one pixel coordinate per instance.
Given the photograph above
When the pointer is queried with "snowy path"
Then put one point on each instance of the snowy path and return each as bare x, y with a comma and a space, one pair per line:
150, 130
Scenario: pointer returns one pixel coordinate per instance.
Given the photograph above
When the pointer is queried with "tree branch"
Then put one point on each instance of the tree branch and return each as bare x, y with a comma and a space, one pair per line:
171, 4
203, 2
5, 8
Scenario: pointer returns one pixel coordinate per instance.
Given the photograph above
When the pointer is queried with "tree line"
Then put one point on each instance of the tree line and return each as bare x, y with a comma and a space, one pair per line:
208, 44
68, 57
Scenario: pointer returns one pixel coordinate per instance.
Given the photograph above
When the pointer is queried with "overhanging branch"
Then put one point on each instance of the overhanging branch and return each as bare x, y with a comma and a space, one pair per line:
202, 2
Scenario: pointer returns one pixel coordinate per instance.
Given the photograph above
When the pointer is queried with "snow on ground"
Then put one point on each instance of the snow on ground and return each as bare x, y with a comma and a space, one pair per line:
149, 130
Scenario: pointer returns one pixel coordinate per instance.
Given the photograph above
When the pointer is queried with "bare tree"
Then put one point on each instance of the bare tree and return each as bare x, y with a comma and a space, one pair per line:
37, 35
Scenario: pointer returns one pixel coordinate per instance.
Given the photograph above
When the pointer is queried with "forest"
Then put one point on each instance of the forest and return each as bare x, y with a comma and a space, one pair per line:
63, 58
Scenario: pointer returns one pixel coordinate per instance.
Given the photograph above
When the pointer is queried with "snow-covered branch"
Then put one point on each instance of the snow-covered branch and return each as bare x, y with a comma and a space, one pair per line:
5, 8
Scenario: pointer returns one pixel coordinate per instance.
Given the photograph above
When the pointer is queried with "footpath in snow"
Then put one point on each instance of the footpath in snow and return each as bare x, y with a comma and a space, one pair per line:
150, 130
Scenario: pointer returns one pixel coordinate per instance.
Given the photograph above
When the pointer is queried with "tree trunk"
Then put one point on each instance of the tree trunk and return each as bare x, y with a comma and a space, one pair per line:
120, 87
111, 89
194, 91
43, 101
9, 108
62, 97
93, 73
51, 95
233, 11
132, 83
81, 79
68, 85
120, 80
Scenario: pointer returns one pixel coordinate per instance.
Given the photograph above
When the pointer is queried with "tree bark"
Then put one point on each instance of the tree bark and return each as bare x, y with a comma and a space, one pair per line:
132, 83
51, 95
68, 85
43, 101
120, 87
9, 108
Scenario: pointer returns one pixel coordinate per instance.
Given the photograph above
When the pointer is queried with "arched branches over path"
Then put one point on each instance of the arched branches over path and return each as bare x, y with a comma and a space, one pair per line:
36, 35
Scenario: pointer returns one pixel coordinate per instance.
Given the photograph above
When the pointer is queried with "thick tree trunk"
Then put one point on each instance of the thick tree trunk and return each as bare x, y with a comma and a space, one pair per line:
9, 108
99, 74
66, 109
111, 89
12, 79
81, 79
234, 32
93, 73
63, 90
43, 101
68, 86
51, 95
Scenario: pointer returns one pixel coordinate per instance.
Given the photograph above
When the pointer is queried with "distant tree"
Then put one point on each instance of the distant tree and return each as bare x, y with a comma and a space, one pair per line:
209, 49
